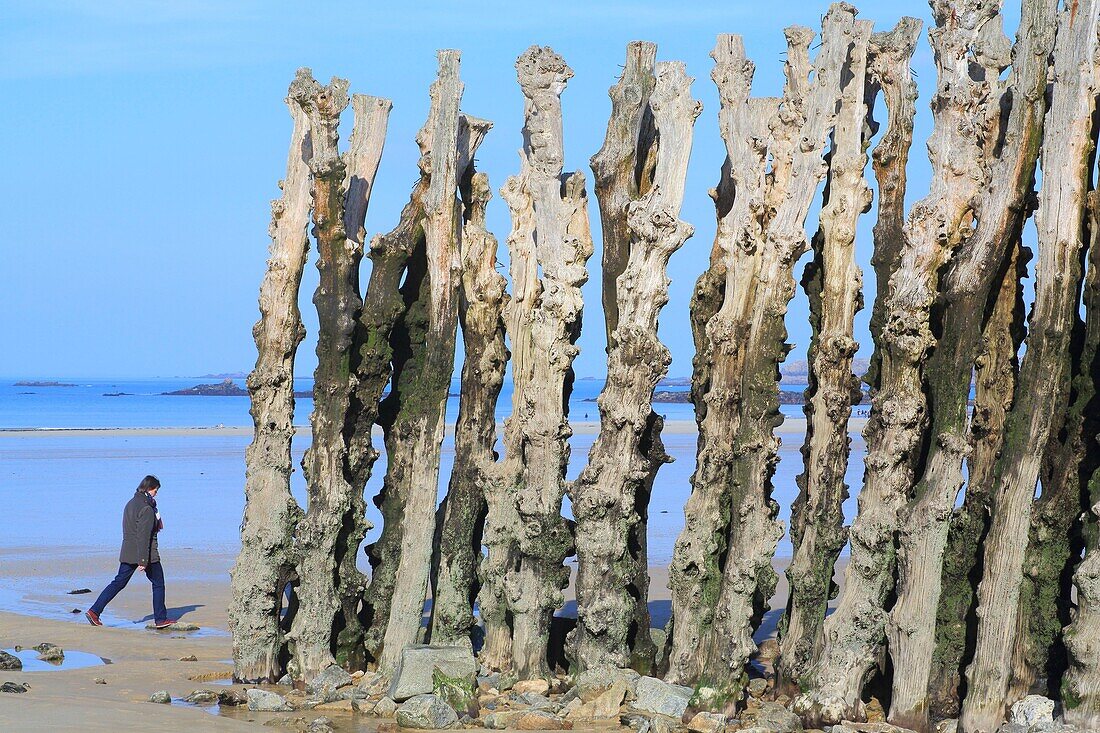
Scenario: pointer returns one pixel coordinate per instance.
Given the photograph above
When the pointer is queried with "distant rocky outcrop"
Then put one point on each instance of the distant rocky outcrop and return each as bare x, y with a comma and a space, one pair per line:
225, 388
26, 383
786, 397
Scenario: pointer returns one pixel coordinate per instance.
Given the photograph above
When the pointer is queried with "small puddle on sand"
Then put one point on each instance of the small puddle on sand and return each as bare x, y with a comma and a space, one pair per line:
72, 660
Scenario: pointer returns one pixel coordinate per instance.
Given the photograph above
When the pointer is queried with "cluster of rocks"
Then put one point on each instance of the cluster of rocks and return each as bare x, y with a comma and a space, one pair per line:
47, 652
441, 687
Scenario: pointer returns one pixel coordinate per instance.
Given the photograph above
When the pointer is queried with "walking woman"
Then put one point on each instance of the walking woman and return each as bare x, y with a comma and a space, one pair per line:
140, 524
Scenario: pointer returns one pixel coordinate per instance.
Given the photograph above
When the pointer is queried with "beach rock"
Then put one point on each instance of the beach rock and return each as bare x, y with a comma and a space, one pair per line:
178, 626
262, 701
604, 706
233, 697
202, 697
321, 725
338, 706
80, 591
657, 696
413, 675
385, 708
50, 653
189, 658
507, 679
1033, 710
707, 723
757, 687
538, 720
634, 721
502, 719
768, 650
329, 680
9, 662
951, 725
1012, 728
873, 710
850, 727
591, 683
458, 692
427, 711
99, 681
285, 680
533, 700
664, 724
773, 717
75, 610
15, 687
540, 687
161, 697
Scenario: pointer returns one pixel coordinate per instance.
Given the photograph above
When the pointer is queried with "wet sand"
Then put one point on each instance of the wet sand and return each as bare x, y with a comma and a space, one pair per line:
790, 426
36, 608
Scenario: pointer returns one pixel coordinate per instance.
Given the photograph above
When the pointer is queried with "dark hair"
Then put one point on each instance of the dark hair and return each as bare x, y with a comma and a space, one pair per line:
148, 483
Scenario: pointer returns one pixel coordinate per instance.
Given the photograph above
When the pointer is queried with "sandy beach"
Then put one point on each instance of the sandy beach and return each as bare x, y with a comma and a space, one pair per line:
143, 661
199, 547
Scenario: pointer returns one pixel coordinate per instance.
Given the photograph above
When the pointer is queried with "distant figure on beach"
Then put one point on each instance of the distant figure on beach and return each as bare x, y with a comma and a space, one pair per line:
140, 524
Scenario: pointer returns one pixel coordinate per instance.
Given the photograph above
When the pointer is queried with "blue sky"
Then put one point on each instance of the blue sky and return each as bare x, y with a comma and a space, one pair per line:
143, 141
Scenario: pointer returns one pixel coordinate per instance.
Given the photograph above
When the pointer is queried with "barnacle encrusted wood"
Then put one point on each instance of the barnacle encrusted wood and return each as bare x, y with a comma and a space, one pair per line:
606, 494
834, 285
423, 343
549, 245
265, 563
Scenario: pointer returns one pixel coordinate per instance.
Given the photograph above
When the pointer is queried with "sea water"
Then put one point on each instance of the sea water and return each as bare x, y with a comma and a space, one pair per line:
66, 489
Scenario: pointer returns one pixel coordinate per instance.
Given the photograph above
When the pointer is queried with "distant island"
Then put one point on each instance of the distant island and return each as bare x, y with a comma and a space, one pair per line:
224, 388
225, 375
117, 394
44, 384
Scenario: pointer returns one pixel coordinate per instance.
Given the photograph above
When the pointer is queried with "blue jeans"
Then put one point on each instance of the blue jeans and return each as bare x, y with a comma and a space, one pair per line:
126, 571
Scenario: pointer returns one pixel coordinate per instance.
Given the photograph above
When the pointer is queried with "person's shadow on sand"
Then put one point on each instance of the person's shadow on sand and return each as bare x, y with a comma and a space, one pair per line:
177, 612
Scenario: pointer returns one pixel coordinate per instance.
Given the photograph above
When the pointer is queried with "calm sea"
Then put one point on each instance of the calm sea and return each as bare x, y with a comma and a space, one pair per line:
61, 489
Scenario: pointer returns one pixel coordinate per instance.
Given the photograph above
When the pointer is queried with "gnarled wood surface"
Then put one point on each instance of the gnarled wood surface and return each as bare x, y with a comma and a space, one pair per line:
1081, 685
318, 535
461, 516
969, 282
798, 135
719, 313
994, 388
1066, 169
834, 286
423, 343
854, 633
265, 563
605, 495
550, 232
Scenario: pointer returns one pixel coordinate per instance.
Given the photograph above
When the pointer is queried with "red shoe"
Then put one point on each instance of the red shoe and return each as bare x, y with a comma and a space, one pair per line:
165, 623
93, 617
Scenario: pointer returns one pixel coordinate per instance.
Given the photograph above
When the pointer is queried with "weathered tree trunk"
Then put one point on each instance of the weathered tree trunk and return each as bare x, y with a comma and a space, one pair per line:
605, 495
1060, 218
1056, 543
549, 232
888, 71
719, 313
461, 516
337, 299
423, 343
743, 438
833, 283
995, 385
896, 430
265, 564
968, 288
362, 158
1081, 684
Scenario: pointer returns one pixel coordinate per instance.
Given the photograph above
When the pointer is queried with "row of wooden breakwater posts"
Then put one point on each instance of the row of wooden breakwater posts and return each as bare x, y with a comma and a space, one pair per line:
945, 613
